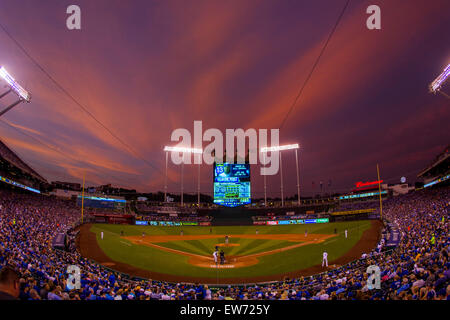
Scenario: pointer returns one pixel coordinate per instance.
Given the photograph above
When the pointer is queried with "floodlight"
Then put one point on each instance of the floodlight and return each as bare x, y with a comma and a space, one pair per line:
23, 94
295, 147
280, 148
439, 81
183, 149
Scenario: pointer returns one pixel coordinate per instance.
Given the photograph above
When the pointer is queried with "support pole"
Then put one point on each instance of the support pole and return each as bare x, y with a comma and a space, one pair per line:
198, 183
4, 94
444, 94
379, 191
281, 174
82, 199
165, 178
10, 107
298, 179
182, 170
265, 183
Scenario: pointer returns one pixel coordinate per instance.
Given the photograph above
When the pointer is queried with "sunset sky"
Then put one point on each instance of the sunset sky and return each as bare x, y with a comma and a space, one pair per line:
145, 68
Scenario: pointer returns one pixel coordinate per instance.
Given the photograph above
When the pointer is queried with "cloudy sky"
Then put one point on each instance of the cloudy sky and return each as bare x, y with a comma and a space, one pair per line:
145, 68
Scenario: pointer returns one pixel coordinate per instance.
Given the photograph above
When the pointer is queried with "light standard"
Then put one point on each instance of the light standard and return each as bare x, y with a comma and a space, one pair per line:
183, 150
13, 87
437, 84
264, 150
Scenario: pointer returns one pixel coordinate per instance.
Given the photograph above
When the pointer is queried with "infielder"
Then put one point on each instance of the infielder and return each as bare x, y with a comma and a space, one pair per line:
345, 233
325, 259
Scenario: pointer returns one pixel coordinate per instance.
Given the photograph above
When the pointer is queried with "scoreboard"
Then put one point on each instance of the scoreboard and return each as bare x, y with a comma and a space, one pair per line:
231, 184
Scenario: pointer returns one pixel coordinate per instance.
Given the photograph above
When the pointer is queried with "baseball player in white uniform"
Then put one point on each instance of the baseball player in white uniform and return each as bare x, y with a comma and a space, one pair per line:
345, 233
215, 256
101, 235
325, 259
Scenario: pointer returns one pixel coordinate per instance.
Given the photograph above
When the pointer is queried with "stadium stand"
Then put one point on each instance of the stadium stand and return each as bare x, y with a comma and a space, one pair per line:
439, 167
416, 269
38, 240
10, 161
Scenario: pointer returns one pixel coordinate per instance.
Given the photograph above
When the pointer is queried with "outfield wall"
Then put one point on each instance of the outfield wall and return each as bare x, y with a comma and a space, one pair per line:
286, 222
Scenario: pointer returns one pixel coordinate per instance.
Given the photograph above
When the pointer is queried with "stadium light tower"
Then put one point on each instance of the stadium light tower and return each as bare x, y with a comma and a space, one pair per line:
437, 84
264, 150
24, 96
183, 150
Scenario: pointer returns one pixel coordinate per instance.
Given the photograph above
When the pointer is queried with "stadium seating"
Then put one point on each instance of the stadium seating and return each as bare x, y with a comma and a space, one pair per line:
416, 269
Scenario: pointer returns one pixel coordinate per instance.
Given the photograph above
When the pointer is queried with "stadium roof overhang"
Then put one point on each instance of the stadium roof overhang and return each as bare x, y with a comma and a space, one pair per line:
8, 155
441, 163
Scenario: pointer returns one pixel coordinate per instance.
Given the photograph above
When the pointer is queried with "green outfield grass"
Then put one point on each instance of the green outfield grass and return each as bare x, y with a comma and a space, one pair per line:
161, 261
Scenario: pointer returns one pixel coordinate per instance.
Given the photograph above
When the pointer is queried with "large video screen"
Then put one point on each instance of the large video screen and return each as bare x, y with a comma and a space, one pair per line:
101, 203
231, 184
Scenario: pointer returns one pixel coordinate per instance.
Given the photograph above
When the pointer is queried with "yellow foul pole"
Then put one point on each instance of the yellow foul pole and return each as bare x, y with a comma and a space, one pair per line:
379, 191
82, 200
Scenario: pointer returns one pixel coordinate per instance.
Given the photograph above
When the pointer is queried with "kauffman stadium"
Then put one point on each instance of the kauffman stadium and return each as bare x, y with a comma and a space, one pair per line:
240, 152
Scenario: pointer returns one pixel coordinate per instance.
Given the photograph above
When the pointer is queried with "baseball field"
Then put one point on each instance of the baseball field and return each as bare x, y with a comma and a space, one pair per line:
253, 253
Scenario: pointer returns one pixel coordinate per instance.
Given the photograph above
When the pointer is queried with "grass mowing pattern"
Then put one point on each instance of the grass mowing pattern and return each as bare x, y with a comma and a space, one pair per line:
206, 246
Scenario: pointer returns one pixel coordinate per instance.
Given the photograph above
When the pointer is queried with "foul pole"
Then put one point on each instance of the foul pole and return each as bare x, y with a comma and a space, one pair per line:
379, 191
82, 199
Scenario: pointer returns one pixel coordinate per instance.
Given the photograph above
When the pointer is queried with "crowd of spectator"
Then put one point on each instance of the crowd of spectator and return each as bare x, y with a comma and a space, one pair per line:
358, 205
283, 217
418, 269
177, 218
144, 207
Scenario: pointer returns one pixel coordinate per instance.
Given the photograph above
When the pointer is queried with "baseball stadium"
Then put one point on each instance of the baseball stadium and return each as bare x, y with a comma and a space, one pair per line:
121, 180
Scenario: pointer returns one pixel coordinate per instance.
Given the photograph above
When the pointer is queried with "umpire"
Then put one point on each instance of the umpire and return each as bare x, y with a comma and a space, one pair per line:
222, 257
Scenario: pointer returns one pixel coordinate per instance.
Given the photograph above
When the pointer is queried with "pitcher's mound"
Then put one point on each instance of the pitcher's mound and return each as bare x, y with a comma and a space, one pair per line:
228, 245
232, 262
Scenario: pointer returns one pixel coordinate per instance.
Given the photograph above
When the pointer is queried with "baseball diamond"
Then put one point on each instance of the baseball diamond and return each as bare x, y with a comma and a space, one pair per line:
203, 151
275, 253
